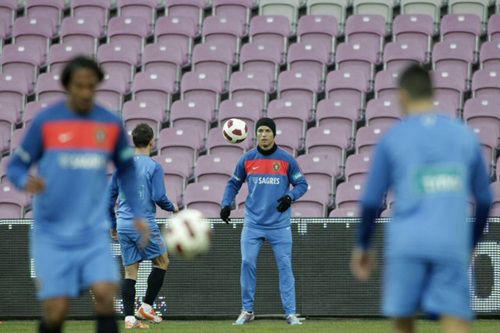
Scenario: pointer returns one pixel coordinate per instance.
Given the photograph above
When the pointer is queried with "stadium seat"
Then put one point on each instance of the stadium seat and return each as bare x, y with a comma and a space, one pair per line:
489, 56
368, 30
321, 171
8, 120
477, 7
237, 9
12, 202
383, 111
332, 140
498, 169
193, 9
386, 84
192, 114
486, 83
4, 162
115, 60
35, 31
367, 137
287, 8
453, 58
338, 112
289, 141
238, 213
316, 198
214, 169
489, 143
494, 27
299, 85
334, 8
463, 30
60, 54
176, 32
177, 169
202, 87
51, 9
226, 31
164, 60
251, 85
290, 115
16, 139
241, 197
449, 88
110, 92
213, 58
136, 112
128, 32
179, 142
216, 144
13, 92
21, 60
345, 212
399, 55
354, 56
348, 195
307, 211
374, 7
319, 30
415, 29
482, 112
349, 88
81, 32
98, 9
150, 86
312, 58
262, 57
495, 189
140, 8
8, 10
357, 167
271, 29
204, 197
31, 110
49, 88
245, 109
421, 8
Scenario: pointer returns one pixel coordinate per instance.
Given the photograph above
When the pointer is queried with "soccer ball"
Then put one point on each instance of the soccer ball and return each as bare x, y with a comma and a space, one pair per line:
235, 130
188, 234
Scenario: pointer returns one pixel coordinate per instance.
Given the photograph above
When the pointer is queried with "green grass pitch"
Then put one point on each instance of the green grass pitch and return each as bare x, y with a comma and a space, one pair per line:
261, 326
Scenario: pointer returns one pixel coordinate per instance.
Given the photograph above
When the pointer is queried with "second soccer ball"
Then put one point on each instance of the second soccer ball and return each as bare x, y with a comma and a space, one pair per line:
235, 130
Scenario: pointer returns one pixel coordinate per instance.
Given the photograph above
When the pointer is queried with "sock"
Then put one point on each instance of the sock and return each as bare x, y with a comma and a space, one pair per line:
43, 328
106, 324
155, 281
128, 295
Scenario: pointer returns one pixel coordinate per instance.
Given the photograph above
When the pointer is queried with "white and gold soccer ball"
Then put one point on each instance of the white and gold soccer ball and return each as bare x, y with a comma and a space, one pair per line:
235, 130
188, 234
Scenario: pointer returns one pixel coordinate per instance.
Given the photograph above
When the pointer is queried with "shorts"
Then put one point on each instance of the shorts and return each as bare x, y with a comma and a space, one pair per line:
131, 253
434, 286
66, 271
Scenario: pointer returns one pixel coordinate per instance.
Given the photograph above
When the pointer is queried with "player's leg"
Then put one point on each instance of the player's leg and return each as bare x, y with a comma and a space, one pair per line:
455, 325
281, 243
55, 311
128, 291
403, 325
251, 243
104, 294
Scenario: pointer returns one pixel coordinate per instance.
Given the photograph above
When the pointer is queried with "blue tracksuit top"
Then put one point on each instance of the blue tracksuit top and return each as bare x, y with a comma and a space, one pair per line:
268, 178
72, 151
150, 192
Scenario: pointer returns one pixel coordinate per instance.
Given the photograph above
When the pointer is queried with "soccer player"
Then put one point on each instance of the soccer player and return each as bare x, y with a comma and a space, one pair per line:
269, 171
433, 163
72, 141
150, 192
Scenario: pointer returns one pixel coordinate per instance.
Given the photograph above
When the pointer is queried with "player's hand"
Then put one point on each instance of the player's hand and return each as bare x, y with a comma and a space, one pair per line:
143, 227
361, 264
285, 203
114, 234
35, 185
224, 214
176, 208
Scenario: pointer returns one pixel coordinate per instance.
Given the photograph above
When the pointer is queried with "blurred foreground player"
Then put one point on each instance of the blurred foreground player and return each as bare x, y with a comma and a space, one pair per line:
72, 141
433, 163
150, 192
269, 171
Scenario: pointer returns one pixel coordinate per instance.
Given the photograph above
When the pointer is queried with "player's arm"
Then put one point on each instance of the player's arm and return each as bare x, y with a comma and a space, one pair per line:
113, 192
28, 153
480, 185
232, 188
159, 194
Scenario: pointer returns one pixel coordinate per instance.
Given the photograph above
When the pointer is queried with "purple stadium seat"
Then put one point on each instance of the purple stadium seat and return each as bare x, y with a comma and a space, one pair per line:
286, 8
217, 145
141, 8
8, 10
176, 32
204, 197
486, 83
110, 92
259, 56
494, 27
116, 61
164, 60
386, 84
299, 85
357, 167
489, 56
429, 8
314, 199
202, 87
482, 112
498, 169
348, 195
135, 112
453, 58
31, 110
224, 30
81, 32
188, 8
449, 88
49, 88
414, 29
214, 58
477, 7
177, 169
398, 55
320, 171
8, 120
244, 109
319, 30
191, 114
241, 197
12, 202
374, 7
305, 57
179, 142
333, 8
250, 85
332, 140
238, 9
462, 29
489, 143
13, 92
348, 87
367, 137
16, 138
22, 60
214, 169
60, 55
238, 213
306, 211
288, 141
383, 111
35, 31
495, 189
369, 30
128, 32
354, 56
339, 113
150, 86
290, 115
345, 212
98, 9
4, 162
271, 29
51, 9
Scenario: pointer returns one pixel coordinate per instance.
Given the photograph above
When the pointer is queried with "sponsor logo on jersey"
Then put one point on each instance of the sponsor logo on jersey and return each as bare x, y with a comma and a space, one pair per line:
440, 179
87, 161
297, 176
266, 180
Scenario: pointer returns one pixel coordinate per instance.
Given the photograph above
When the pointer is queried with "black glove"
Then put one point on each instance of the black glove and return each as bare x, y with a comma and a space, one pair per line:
285, 203
224, 214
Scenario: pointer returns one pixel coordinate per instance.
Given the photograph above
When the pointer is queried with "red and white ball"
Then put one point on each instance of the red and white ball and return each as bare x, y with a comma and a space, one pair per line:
235, 130
188, 234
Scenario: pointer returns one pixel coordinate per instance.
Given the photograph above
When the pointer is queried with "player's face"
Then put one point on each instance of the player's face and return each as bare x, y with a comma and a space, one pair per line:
265, 137
81, 89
